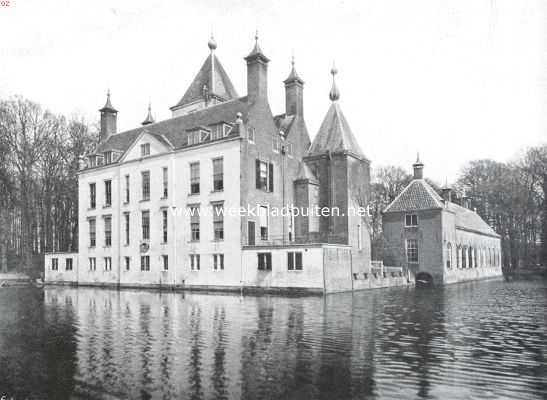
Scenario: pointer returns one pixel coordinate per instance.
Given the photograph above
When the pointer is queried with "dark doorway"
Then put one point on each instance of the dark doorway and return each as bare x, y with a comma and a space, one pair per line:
251, 233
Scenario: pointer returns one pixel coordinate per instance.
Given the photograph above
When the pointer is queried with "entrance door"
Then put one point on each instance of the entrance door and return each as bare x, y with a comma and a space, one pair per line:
251, 233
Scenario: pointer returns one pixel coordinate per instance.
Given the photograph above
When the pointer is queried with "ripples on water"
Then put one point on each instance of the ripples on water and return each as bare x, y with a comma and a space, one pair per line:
476, 340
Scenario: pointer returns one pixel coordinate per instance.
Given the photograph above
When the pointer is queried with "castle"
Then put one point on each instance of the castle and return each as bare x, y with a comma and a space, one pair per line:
156, 203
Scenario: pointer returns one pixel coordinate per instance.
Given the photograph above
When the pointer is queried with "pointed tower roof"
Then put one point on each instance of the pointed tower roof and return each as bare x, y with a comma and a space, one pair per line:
335, 133
293, 76
211, 79
149, 118
108, 105
305, 173
256, 53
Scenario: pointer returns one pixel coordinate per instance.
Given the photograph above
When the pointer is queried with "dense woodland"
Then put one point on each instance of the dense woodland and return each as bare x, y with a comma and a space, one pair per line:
39, 154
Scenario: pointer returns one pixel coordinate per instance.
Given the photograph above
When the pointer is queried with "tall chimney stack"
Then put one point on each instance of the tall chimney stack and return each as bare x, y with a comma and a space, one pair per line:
109, 117
418, 168
257, 74
294, 93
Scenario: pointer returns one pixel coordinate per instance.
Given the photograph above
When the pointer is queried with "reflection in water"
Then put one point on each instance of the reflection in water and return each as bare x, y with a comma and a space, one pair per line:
486, 339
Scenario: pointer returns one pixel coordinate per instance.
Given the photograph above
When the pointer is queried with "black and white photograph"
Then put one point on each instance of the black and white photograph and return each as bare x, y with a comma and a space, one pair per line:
290, 199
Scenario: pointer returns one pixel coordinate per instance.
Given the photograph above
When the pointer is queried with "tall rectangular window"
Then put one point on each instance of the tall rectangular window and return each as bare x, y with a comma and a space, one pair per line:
165, 260
145, 149
92, 232
218, 221
127, 263
145, 225
68, 264
251, 134
412, 250
263, 219
194, 262
126, 227
145, 263
164, 224
54, 264
218, 174
108, 193
294, 261
264, 173
92, 195
108, 231
108, 263
165, 182
92, 264
218, 262
145, 177
194, 178
107, 157
127, 188
265, 261
194, 222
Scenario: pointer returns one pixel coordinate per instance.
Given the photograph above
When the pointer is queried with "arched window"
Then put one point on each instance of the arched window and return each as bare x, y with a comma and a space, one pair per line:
458, 256
449, 255
464, 257
470, 256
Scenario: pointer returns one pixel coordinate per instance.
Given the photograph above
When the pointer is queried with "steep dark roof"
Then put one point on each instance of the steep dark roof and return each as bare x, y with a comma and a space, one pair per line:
470, 220
175, 130
419, 195
213, 75
335, 135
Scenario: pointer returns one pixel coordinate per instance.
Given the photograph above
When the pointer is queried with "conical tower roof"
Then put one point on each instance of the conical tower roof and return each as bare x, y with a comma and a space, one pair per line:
211, 78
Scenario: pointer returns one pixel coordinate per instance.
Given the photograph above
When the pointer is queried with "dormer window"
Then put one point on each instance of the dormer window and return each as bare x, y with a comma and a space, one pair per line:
411, 220
92, 161
226, 129
204, 135
145, 149
107, 157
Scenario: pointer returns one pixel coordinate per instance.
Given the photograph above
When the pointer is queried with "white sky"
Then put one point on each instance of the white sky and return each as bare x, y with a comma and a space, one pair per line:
454, 79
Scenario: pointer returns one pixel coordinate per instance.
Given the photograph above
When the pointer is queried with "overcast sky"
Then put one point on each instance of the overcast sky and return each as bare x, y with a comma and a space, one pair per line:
454, 79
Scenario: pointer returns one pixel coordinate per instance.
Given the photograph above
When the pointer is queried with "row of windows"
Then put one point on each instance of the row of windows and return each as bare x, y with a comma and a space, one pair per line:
55, 264
218, 184
218, 225
264, 260
471, 257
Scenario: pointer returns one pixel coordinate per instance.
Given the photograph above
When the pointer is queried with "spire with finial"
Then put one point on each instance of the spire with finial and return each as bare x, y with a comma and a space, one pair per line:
108, 104
293, 76
334, 94
149, 118
212, 44
256, 53
418, 168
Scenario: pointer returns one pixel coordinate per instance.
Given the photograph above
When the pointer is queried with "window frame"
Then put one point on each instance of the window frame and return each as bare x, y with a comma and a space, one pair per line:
108, 192
264, 260
107, 221
410, 257
145, 149
218, 177
145, 185
218, 221
69, 263
145, 233
195, 174
165, 176
92, 195
412, 224
92, 222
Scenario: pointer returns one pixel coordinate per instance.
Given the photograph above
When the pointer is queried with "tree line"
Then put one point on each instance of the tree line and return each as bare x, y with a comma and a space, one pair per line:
39, 157
509, 196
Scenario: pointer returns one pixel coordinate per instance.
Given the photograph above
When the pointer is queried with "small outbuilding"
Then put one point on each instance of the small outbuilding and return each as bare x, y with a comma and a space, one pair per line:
437, 240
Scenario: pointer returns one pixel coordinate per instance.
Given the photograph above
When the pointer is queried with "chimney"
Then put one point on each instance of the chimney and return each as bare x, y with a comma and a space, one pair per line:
466, 201
418, 168
257, 74
294, 93
109, 116
447, 194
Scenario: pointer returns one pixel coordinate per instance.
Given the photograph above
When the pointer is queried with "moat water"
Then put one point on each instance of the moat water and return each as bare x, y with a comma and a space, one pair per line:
474, 340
